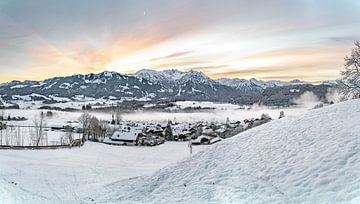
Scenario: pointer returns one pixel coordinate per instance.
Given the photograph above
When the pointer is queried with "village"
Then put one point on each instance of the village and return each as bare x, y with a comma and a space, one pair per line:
40, 134
198, 133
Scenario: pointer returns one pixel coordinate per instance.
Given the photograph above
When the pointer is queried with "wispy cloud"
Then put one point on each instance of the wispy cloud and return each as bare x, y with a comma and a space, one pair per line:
171, 56
282, 39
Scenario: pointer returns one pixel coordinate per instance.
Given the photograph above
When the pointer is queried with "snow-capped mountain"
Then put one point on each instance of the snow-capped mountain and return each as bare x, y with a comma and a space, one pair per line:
244, 84
151, 85
174, 77
102, 85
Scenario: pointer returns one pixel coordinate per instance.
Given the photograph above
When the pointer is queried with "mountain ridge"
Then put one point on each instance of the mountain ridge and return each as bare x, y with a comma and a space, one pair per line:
151, 85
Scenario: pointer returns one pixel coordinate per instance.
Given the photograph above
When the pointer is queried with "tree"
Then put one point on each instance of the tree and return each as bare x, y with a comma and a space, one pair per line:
2, 126
2, 113
112, 120
97, 129
116, 117
349, 83
39, 124
93, 128
86, 107
104, 129
49, 114
85, 121
69, 134
168, 132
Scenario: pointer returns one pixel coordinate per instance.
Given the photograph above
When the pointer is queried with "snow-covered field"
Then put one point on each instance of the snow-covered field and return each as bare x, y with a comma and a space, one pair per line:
309, 158
70, 175
211, 115
219, 113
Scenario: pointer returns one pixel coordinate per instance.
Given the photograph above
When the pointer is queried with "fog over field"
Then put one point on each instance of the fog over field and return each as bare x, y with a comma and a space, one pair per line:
220, 113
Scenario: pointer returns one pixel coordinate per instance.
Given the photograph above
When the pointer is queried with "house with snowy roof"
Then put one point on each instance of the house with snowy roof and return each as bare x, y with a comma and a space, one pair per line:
181, 133
205, 140
130, 137
155, 130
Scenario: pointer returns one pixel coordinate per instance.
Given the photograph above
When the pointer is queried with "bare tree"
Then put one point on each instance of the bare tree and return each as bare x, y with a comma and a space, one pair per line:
85, 121
2, 114
349, 83
39, 124
94, 127
118, 116
69, 134
104, 129
2, 125
97, 129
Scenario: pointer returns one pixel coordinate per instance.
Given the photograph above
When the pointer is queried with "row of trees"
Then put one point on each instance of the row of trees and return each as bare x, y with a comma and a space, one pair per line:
93, 128
28, 136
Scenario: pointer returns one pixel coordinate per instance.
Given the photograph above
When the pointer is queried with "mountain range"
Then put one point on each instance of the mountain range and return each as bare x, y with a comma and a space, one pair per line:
151, 85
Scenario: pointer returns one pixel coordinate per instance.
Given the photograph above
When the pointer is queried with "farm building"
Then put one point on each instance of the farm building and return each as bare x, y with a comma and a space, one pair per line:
124, 138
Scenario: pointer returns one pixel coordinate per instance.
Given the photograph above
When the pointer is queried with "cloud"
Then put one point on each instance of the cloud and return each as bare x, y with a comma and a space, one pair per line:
222, 40
171, 56
308, 100
333, 95
181, 65
210, 68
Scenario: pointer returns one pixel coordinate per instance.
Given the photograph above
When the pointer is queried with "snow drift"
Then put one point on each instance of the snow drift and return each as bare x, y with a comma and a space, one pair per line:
308, 158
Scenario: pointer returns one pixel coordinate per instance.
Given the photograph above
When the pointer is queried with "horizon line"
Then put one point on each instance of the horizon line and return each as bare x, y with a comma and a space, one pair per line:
184, 71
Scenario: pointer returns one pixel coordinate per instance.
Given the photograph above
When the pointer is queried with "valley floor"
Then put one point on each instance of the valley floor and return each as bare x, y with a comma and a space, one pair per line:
62, 176
313, 157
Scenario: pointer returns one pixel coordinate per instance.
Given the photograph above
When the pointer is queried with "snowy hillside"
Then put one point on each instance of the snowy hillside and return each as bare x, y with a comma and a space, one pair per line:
308, 158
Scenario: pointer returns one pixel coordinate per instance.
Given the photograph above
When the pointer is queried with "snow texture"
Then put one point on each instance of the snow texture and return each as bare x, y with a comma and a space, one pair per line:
71, 175
308, 158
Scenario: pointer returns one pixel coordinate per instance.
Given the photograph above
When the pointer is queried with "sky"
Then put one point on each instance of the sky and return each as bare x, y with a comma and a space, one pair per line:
263, 39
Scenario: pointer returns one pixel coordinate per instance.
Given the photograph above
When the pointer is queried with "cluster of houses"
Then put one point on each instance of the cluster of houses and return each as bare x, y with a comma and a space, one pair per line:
154, 133
146, 134
199, 133
132, 133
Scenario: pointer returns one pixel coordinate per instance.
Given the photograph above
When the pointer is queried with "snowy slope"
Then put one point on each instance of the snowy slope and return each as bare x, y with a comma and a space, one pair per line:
71, 175
308, 158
